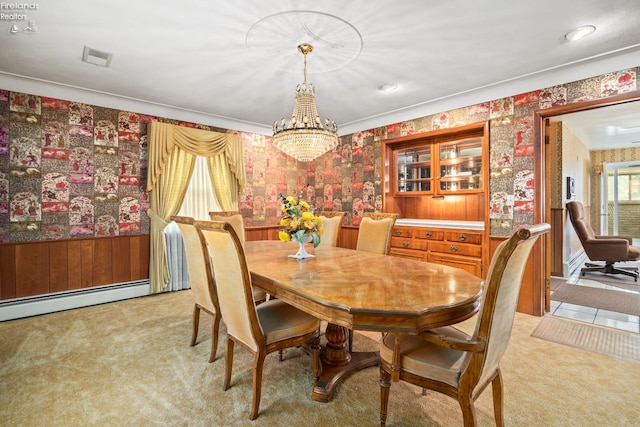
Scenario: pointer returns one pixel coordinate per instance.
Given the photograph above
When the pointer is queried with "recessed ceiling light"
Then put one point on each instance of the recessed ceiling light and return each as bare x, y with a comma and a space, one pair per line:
96, 57
579, 33
389, 87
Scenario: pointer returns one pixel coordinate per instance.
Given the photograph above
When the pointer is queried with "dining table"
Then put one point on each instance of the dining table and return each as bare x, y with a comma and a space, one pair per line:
360, 290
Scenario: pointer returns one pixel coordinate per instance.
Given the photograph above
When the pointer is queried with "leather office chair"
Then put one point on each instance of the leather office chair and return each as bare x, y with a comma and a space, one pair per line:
607, 249
331, 225
374, 234
261, 329
448, 360
201, 280
234, 218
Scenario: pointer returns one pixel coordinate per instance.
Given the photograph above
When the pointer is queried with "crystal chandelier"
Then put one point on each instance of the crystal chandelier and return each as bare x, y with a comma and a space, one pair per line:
305, 138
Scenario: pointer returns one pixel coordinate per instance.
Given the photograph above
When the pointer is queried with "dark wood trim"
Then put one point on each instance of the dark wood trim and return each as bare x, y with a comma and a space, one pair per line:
541, 212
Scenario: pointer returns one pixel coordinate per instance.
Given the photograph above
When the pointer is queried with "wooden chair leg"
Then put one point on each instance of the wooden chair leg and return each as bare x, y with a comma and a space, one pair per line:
385, 385
468, 410
317, 365
196, 323
257, 384
228, 365
214, 336
498, 410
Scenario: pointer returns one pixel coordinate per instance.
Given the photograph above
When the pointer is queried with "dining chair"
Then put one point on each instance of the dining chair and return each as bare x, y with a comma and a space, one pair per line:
452, 362
259, 329
331, 225
201, 281
374, 234
234, 218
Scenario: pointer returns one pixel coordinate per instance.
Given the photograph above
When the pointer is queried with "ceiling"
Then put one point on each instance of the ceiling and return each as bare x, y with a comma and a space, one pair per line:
235, 65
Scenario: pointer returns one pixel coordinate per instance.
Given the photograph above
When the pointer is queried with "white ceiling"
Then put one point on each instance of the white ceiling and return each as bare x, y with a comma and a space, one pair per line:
235, 64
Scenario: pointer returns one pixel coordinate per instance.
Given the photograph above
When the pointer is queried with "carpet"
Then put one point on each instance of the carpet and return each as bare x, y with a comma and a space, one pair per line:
605, 299
624, 346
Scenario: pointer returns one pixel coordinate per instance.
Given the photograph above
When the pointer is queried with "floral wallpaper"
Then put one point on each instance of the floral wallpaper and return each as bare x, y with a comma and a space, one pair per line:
71, 170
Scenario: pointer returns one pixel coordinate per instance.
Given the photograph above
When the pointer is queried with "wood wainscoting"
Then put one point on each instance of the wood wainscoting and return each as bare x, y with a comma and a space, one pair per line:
44, 267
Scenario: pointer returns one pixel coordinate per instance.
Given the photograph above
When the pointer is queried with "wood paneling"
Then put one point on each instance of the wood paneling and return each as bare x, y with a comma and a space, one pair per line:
529, 300
32, 269
37, 268
7, 272
58, 266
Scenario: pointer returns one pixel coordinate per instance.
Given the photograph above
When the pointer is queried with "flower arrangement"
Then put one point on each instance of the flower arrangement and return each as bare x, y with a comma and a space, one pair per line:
299, 220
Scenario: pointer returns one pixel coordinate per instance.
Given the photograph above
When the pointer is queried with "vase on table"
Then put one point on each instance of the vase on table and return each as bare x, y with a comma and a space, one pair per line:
302, 252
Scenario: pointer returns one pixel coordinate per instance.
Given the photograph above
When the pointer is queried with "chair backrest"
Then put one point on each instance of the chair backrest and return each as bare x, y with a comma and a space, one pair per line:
579, 222
232, 217
233, 283
374, 234
500, 299
198, 265
331, 225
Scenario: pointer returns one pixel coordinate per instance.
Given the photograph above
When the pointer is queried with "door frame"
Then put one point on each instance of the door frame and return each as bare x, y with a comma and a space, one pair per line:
542, 210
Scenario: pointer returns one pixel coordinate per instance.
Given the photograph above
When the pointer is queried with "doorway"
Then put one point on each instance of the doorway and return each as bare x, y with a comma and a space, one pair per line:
620, 204
599, 179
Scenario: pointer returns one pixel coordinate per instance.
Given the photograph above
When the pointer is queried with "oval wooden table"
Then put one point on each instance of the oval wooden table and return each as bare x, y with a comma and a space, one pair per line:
361, 290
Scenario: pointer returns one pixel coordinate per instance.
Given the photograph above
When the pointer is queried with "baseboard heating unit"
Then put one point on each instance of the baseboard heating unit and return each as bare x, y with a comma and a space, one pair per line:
43, 304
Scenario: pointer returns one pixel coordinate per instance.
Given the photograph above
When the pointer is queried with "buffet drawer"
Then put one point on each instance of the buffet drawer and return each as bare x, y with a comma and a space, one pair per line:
456, 248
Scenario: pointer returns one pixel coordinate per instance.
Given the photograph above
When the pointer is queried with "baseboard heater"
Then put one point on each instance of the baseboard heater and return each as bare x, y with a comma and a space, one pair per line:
43, 304
575, 262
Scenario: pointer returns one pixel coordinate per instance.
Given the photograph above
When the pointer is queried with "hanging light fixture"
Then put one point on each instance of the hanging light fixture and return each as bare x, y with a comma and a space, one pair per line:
305, 138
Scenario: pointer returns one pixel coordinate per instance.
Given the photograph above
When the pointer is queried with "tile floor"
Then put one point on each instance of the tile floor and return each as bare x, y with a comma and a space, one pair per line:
611, 319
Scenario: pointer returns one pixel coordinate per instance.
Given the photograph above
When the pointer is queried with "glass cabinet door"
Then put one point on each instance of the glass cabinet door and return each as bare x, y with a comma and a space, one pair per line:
414, 169
461, 165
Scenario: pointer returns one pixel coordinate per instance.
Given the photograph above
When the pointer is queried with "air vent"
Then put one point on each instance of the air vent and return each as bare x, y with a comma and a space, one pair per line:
96, 57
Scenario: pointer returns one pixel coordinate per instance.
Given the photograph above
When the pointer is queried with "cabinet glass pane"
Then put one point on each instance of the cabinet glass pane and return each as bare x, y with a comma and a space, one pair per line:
414, 169
461, 165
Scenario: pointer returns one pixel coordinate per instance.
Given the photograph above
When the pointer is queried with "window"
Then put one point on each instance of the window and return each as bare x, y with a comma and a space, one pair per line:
200, 198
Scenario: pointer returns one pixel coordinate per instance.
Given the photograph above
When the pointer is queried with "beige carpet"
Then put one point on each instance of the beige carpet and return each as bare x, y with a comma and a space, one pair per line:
129, 364
606, 299
624, 346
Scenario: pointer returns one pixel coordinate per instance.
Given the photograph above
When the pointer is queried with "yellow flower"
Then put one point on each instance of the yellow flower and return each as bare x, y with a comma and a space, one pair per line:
306, 216
304, 205
284, 236
294, 224
291, 200
284, 222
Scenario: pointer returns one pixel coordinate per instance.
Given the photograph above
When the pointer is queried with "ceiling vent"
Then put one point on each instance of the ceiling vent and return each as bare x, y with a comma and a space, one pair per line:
96, 57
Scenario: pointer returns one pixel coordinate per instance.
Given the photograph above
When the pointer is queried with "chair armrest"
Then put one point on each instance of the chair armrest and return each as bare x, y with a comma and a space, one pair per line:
447, 341
628, 239
610, 249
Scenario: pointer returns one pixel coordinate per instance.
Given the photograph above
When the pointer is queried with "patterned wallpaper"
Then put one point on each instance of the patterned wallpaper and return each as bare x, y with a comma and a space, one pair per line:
70, 170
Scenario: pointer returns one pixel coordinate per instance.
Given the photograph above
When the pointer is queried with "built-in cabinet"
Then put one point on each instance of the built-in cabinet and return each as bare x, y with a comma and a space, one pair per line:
437, 182
459, 165
456, 247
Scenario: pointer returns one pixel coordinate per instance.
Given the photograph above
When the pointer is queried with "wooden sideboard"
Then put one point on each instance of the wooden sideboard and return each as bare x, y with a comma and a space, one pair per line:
452, 245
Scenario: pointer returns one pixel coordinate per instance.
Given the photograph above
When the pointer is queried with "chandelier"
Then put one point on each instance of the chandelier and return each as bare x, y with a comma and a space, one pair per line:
305, 138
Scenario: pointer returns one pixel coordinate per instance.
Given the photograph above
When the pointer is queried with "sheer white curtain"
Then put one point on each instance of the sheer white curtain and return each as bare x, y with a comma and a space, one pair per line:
200, 198
198, 202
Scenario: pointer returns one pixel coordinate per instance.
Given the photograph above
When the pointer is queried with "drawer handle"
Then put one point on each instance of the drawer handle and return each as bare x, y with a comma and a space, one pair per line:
399, 232
463, 237
405, 244
453, 248
427, 234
